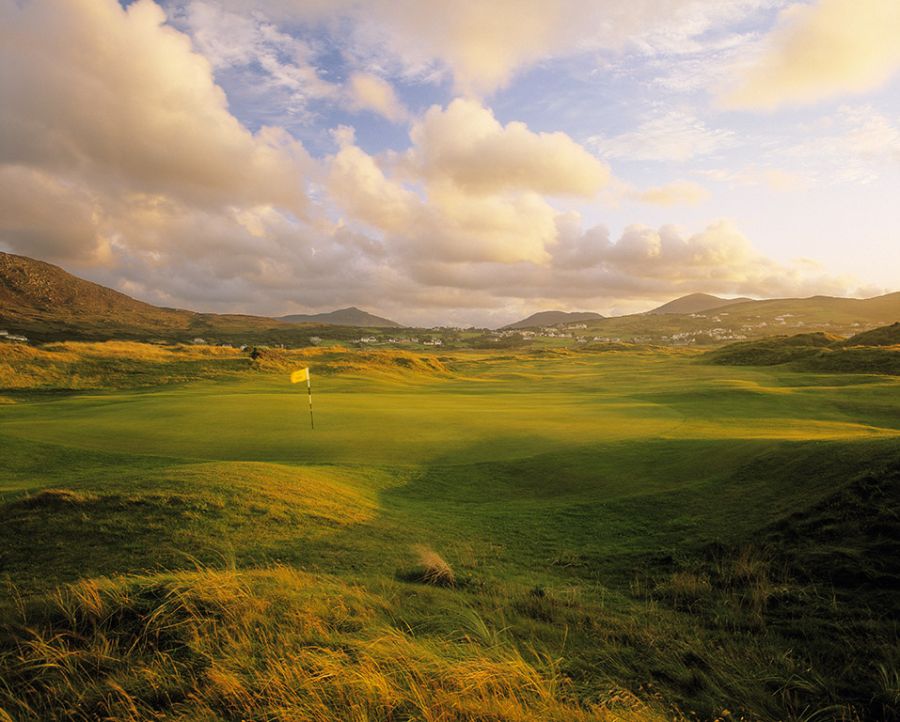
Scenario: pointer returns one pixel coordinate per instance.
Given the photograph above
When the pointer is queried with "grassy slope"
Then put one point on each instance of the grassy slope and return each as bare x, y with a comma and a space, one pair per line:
652, 523
876, 351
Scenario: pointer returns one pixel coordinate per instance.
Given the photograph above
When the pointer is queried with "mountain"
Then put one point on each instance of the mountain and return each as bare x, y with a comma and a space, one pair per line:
34, 294
343, 317
696, 303
745, 320
553, 318
45, 303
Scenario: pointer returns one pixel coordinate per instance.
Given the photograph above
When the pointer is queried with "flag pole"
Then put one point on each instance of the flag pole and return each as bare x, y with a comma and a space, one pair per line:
309, 393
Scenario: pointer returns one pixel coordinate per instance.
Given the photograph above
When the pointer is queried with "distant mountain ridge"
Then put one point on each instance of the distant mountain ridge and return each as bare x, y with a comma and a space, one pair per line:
351, 316
44, 302
553, 318
696, 303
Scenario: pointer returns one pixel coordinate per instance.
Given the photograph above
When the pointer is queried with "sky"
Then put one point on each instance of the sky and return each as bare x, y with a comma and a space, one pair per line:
463, 163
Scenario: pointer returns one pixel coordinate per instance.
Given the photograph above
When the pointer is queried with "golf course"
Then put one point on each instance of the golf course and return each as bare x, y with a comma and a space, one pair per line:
545, 534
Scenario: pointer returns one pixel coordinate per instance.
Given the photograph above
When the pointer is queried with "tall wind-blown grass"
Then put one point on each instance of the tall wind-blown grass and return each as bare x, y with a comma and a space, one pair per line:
276, 644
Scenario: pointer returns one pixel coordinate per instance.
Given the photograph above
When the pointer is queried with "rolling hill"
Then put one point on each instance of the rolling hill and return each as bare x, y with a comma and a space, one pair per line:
553, 318
876, 351
695, 303
749, 320
351, 316
45, 303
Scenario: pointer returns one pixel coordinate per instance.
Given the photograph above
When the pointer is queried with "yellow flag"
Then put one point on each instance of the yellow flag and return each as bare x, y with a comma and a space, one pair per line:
300, 376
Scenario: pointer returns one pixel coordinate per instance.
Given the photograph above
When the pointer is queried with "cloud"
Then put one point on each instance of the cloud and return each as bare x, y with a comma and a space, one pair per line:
676, 135
120, 157
673, 194
821, 50
647, 262
644, 265
441, 220
48, 218
464, 144
369, 92
358, 183
468, 190
855, 145
112, 97
775, 179
274, 68
482, 45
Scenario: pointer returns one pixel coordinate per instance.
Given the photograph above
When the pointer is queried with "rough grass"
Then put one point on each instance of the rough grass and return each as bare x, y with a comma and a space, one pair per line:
431, 569
274, 644
123, 364
113, 364
382, 363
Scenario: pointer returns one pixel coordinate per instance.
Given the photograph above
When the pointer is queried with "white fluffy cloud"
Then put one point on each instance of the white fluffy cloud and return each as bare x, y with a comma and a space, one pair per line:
664, 261
440, 220
821, 50
114, 98
466, 145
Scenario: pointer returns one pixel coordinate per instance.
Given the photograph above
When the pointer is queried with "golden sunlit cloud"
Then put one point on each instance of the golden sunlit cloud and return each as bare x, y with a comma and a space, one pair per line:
369, 92
465, 144
818, 51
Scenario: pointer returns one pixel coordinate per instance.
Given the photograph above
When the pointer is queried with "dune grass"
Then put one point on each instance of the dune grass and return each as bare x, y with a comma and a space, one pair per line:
267, 644
555, 535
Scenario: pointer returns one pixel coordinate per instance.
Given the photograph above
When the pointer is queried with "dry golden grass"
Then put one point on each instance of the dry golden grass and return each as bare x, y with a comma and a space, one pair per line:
265, 645
339, 360
433, 569
126, 364
111, 364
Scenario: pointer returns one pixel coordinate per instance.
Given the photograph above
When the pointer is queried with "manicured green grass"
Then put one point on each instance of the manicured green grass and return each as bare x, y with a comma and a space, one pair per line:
633, 515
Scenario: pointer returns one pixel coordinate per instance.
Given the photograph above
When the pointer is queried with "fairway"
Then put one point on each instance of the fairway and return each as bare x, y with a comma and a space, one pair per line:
582, 475
511, 409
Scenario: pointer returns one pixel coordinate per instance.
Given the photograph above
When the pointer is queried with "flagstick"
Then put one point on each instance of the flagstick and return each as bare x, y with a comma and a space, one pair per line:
309, 392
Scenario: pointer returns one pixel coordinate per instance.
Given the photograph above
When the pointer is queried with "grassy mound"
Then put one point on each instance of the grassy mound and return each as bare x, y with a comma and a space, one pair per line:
822, 580
113, 364
242, 511
772, 351
385, 363
873, 352
883, 336
856, 360
274, 644
82, 366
